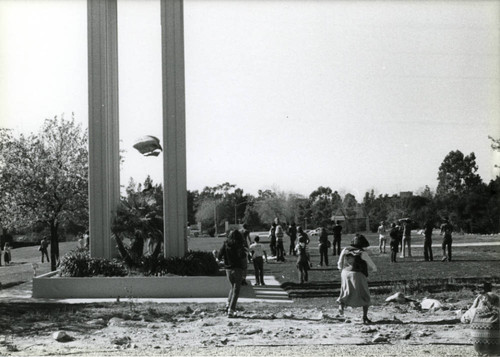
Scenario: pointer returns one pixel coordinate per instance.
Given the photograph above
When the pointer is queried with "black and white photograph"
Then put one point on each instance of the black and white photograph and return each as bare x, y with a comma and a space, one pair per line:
249, 178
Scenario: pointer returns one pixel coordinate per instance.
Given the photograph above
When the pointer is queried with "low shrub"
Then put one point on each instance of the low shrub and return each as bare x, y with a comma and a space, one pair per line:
79, 263
192, 264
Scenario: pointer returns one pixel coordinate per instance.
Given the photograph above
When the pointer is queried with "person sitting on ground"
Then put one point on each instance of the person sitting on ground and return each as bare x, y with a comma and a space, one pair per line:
257, 251
485, 300
354, 262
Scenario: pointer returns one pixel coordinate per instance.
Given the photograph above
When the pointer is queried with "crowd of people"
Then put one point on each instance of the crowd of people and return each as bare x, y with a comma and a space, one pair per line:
354, 262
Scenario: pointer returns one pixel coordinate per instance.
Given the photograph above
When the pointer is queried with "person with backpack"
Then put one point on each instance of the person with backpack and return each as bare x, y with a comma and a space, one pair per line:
324, 244
280, 248
354, 262
446, 230
234, 255
303, 259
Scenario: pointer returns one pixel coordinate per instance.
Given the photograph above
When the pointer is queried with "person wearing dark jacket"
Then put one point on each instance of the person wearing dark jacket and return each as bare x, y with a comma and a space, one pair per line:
446, 230
233, 252
292, 232
323, 246
394, 244
429, 226
337, 237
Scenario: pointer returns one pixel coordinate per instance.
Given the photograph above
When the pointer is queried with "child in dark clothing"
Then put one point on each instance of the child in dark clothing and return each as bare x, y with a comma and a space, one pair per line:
394, 234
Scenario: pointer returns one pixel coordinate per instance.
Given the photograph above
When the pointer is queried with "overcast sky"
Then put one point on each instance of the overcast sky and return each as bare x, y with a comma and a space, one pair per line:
287, 94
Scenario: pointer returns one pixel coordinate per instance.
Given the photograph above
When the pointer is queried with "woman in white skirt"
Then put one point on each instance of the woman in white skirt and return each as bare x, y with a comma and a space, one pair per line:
354, 263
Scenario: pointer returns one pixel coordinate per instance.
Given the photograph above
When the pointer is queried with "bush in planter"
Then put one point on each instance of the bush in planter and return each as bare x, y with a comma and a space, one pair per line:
192, 264
79, 263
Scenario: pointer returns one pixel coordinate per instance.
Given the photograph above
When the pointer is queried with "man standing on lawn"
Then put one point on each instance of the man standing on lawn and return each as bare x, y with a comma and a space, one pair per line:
292, 232
280, 248
446, 229
406, 238
337, 236
428, 227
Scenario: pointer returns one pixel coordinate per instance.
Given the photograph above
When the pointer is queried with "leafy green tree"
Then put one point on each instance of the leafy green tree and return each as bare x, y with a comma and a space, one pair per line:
495, 145
321, 206
457, 174
44, 178
271, 205
252, 217
139, 217
192, 199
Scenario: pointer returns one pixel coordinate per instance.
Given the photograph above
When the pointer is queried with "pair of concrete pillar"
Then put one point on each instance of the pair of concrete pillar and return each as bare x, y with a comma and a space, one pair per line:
104, 170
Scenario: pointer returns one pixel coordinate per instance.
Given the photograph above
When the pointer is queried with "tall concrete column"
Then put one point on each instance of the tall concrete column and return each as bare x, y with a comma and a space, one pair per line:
104, 167
174, 129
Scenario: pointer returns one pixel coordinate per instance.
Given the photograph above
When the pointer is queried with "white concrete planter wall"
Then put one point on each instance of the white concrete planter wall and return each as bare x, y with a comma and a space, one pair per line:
51, 287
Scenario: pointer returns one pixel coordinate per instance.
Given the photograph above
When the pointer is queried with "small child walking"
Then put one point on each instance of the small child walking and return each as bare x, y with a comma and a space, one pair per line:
303, 260
258, 252
394, 234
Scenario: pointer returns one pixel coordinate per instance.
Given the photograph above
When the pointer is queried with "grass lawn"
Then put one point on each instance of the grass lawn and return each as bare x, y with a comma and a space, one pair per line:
468, 261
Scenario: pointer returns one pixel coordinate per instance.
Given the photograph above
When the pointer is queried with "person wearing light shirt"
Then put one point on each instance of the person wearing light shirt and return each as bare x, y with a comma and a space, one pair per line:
258, 252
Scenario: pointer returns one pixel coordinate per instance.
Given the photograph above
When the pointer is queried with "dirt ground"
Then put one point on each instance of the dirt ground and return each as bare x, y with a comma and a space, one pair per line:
306, 327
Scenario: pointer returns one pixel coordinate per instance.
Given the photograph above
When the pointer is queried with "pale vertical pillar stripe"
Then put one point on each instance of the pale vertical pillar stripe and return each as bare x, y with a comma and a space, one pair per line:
104, 169
174, 128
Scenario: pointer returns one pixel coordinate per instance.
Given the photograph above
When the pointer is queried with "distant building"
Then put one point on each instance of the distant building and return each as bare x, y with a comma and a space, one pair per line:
406, 194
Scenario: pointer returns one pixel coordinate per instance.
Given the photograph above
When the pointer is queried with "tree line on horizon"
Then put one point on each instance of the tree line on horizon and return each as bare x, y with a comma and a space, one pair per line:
44, 189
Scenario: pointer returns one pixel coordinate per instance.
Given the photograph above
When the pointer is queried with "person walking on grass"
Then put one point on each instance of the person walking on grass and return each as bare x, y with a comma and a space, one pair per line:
337, 237
280, 248
233, 253
258, 253
399, 228
394, 243
446, 231
303, 259
7, 257
381, 237
292, 232
428, 227
302, 234
354, 263
406, 238
272, 239
43, 249
323, 246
